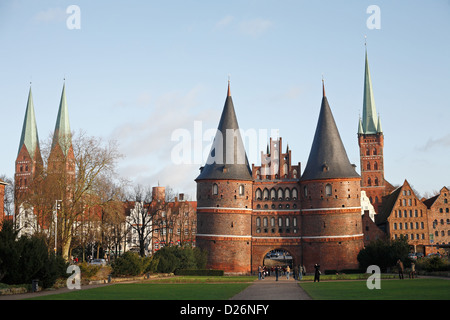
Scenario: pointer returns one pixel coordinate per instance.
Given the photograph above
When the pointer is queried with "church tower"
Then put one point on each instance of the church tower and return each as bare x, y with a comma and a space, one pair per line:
371, 143
61, 158
224, 198
330, 197
29, 160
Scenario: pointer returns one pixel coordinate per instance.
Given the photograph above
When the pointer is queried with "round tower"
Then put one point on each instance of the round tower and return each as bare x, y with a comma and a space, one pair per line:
224, 197
330, 197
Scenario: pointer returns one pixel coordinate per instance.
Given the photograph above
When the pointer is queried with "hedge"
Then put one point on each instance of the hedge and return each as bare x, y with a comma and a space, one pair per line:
199, 272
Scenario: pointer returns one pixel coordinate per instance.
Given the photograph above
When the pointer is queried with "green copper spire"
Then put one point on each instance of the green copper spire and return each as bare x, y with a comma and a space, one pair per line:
369, 120
29, 136
62, 134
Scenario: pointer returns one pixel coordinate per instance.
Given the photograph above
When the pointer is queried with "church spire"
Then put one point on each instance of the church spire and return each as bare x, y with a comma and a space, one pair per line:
370, 120
29, 137
62, 134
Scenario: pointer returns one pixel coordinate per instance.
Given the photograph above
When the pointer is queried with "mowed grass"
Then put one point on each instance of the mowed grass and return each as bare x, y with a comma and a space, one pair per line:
177, 288
406, 289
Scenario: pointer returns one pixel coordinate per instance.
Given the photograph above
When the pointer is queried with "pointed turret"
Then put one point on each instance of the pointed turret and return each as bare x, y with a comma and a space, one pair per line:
227, 159
62, 135
29, 137
370, 120
328, 158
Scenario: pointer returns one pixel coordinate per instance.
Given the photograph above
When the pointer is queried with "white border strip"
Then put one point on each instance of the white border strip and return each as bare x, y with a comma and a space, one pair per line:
281, 238
326, 209
222, 235
224, 208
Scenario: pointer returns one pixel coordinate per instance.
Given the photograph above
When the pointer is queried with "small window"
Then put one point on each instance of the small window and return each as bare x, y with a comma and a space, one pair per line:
241, 190
328, 190
215, 189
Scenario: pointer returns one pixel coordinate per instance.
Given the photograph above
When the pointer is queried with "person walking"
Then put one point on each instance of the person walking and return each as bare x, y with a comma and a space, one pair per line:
259, 273
288, 270
413, 270
317, 273
276, 273
300, 273
400, 268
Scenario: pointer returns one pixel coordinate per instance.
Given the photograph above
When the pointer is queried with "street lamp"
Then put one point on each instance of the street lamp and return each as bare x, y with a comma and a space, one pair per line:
57, 206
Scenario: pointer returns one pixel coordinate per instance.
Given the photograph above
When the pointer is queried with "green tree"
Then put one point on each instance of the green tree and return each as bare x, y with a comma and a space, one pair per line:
384, 253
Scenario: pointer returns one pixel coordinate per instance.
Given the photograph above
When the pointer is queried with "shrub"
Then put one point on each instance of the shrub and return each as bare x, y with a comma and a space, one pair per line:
27, 258
432, 264
171, 259
199, 272
384, 253
88, 270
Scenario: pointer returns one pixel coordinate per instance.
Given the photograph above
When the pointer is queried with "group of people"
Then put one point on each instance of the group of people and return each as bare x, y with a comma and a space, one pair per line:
298, 272
401, 269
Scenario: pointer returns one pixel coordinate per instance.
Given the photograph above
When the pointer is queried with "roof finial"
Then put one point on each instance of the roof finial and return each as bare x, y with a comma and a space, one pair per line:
323, 86
229, 93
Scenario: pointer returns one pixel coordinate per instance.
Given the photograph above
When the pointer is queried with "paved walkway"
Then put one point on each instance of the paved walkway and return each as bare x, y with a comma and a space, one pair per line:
270, 289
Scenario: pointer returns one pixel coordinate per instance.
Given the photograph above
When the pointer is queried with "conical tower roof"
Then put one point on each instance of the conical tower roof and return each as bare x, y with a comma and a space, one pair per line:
29, 136
62, 134
328, 158
227, 159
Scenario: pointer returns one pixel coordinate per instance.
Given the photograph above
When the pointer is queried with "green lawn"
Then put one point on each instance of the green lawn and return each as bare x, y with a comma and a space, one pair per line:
177, 288
406, 289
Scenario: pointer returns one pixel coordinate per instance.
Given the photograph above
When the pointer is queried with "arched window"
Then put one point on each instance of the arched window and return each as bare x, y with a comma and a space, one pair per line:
241, 190
258, 222
272, 222
305, 191
374, 152
294, 194
265, 221
369, 182
294, 174
258, 174
285, 169
273, 194
368, 165
258, 194
376, 181
287, 194
328, 190
375, 166
215, 189
266, 194
280, 194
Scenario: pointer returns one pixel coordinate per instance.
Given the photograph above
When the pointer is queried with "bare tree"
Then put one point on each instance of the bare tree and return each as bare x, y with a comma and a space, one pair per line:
66, 186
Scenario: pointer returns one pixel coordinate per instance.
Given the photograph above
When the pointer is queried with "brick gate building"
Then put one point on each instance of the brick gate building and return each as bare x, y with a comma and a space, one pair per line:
243, 213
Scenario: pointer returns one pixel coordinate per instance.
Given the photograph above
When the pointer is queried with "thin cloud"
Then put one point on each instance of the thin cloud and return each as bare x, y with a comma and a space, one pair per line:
225, 21
443, 142
51, 15
255, 27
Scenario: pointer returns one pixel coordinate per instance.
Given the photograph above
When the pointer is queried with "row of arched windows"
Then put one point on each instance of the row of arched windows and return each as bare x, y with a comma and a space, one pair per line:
369, 166
374, 152
273, 194
375, 182
282, 222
